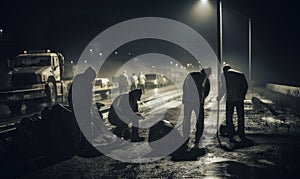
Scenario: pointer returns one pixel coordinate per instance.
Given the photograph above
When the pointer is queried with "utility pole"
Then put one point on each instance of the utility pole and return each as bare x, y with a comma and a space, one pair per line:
219, 39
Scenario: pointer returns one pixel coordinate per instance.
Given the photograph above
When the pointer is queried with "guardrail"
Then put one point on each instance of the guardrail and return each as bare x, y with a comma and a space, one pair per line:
284, 89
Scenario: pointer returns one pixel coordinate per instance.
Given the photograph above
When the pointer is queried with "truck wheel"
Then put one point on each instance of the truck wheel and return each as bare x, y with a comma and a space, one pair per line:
51, 93
15, 108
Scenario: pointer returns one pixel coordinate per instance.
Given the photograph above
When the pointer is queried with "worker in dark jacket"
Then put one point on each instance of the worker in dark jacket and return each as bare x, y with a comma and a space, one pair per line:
80, 92
124, 83
124, 110
196, 88
236, 86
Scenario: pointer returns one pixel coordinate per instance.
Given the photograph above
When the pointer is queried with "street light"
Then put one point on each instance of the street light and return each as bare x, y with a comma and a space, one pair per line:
1, 31
250, 50
220, 36
249, 41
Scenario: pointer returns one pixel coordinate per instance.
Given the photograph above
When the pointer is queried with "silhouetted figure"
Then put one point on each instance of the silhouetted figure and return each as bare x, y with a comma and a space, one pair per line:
124, 110
236, 87
142, 81
123, 83
56, 133
196, 88
81, 92
134, 82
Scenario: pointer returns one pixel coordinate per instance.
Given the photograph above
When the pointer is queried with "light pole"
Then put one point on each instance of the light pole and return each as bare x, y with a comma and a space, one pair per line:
220, 56
249, 42
219, 39
1, 31
250, 50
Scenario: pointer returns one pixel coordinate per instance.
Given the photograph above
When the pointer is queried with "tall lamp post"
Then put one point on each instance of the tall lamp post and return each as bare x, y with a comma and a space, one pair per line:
219, 39
250, 49
1, 31
220, 56
249, 42
220, 36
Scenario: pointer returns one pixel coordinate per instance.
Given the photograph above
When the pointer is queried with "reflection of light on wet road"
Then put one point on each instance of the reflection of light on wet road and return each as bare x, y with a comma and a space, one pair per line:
266, 101
211, 158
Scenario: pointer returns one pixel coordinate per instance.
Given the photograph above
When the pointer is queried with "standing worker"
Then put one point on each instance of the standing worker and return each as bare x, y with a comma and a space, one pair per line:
236, 89
134, 82
142, 81
123, 83
81, 92
196, 88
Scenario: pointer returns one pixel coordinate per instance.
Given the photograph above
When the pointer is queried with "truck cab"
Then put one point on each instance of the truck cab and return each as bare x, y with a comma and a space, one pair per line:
34, 68
35, 76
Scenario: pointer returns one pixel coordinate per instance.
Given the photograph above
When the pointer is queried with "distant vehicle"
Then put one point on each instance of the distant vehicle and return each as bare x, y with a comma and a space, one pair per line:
39, 77
103, 88
166, 80
154, 80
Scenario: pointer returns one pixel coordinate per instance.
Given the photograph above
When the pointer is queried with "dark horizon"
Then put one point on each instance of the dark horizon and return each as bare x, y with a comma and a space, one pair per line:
69, 26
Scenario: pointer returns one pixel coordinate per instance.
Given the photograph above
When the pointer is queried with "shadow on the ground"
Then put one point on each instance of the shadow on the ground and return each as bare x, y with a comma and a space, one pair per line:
17, 168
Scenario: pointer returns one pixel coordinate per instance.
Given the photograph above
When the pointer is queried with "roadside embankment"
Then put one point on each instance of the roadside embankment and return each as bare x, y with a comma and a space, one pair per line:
285, 96
284, 89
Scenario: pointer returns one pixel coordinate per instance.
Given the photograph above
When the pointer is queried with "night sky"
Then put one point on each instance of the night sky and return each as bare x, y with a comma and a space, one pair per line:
68, 27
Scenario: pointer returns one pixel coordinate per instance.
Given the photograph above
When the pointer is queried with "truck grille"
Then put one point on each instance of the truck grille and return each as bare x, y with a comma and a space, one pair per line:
24, 79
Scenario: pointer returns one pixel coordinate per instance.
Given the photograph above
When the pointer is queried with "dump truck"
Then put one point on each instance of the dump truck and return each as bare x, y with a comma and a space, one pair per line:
40, 76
